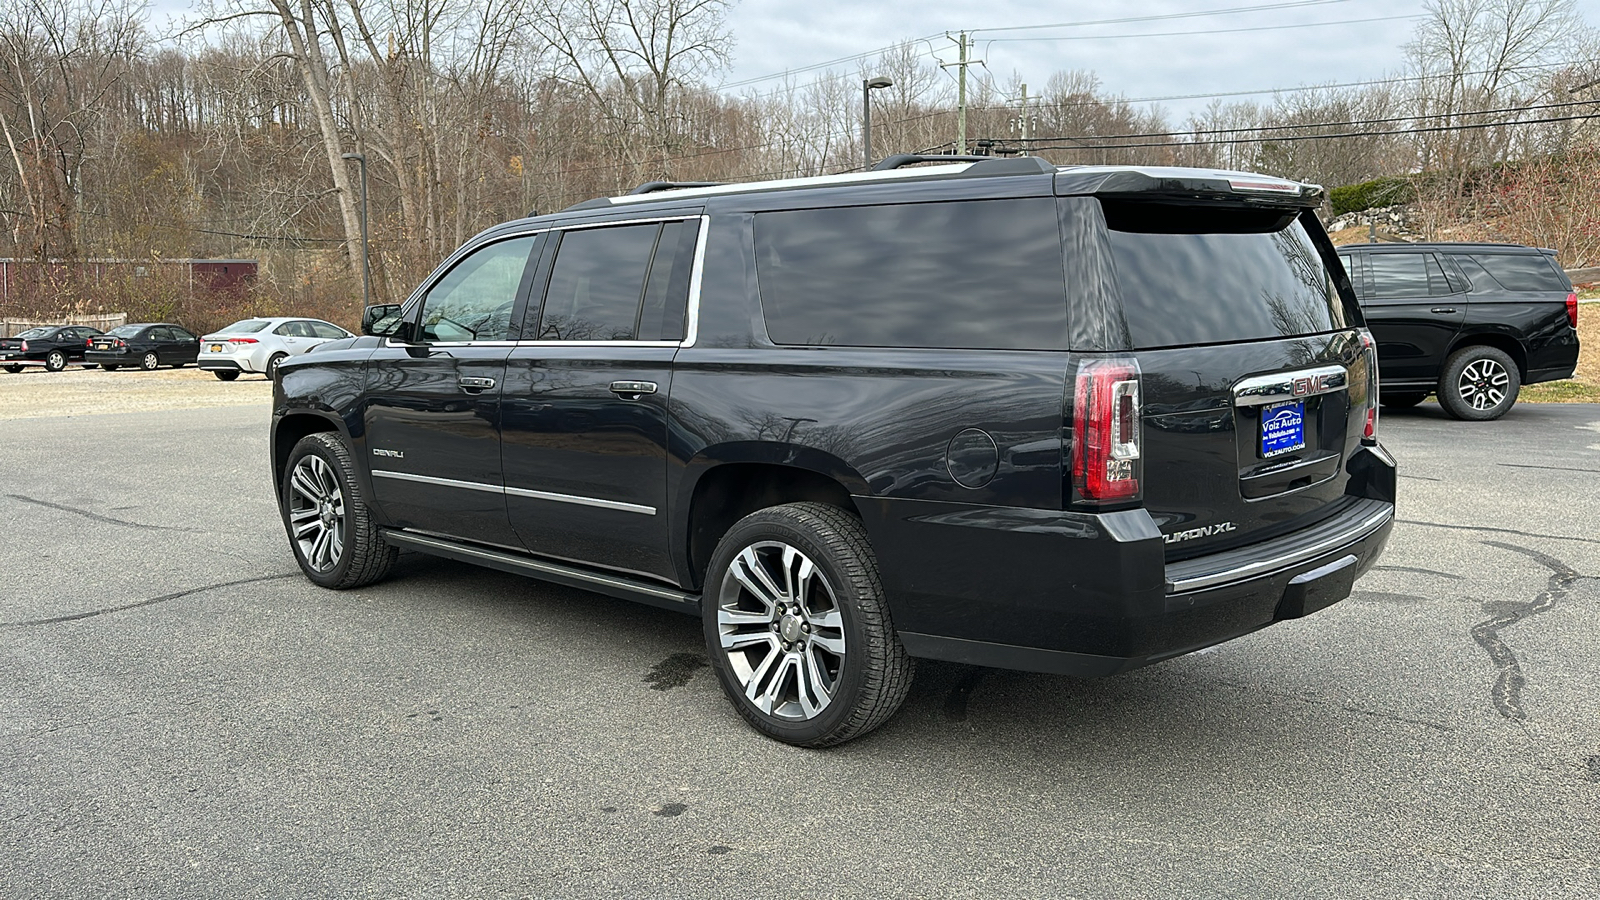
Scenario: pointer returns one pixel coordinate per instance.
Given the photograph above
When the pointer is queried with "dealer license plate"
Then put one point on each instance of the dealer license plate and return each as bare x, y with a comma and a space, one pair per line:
1283, 428
216, 348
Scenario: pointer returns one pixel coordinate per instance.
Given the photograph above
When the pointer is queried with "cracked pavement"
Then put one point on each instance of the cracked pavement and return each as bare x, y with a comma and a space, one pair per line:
182, 715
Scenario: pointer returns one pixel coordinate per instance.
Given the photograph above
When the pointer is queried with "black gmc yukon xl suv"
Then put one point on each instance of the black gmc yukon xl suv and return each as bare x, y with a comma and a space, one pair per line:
1064, 420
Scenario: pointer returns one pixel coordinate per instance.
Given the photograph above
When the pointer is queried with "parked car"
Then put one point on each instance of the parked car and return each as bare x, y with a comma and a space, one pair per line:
51, 346
1470, 323
258, 345
148, 345
1073, 421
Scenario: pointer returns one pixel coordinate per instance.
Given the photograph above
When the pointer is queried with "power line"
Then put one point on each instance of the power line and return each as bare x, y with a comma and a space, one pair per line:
1470, 126
1113, 37
1117, 21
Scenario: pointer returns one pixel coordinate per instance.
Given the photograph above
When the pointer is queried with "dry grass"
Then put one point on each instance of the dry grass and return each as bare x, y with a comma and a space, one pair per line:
78, 392
1584, 386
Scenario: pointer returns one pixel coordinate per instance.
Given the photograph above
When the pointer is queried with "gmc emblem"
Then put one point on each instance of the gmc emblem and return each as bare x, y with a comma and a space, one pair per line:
1313, 385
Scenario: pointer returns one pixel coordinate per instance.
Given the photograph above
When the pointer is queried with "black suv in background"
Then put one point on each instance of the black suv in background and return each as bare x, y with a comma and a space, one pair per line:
1074, 421
1469, 322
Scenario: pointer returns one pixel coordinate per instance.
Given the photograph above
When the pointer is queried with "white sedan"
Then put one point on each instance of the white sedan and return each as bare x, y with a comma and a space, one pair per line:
258, 345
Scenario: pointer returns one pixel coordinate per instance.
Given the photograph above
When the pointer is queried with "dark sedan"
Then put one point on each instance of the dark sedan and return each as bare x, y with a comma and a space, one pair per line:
51, 346
148, 345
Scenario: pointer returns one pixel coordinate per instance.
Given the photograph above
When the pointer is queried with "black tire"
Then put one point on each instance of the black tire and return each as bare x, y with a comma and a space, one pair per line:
15, 370
869, 679
55, 361
1479, 384
1402, 399
359, 556
272, 365
110, 368
225, 374
150, 362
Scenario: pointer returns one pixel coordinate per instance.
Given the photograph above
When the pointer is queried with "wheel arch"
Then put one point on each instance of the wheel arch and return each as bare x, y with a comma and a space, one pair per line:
1505, 343
288, 431
720, 489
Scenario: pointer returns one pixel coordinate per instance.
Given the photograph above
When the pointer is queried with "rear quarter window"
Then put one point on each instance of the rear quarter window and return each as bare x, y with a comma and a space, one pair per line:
1523, 271
984, 274
1207, 275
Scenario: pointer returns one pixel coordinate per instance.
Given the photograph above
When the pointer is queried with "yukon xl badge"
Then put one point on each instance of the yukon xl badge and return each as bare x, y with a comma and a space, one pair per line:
1202, 531
396, 454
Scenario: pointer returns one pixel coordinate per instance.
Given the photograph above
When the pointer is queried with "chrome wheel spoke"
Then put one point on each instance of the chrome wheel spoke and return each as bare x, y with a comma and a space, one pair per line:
830, 619
747, 568
760, 676
834, 645
305, 484
740, 640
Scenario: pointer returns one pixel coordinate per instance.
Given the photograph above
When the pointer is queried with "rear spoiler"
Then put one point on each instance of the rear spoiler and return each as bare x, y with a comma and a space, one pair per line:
1187, 184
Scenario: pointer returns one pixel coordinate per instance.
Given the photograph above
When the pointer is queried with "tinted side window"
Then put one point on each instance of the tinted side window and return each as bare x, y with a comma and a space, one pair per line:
666, 293
1396, 275
972, 274
473, 301
1523, 272
1206, 275
1352, 265
597, 284
324, 330
182, 334
1478, 275
162, 333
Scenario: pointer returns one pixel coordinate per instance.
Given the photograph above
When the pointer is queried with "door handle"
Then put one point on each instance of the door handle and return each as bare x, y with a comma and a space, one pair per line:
1443, 310
632, 390
472, 384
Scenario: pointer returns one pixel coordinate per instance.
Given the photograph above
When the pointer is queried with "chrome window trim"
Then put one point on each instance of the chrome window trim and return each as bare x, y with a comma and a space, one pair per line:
691, 329
691, 326
517, 492
1264, 389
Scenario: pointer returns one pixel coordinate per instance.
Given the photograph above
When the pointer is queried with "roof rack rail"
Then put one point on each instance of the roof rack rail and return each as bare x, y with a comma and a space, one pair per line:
650, 187
981, 165
901, 160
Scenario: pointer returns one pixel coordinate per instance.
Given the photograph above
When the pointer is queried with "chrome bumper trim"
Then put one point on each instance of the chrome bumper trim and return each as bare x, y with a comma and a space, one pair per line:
1363, 528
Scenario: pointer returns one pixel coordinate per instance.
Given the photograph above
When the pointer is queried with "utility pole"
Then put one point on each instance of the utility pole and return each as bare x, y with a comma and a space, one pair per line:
963, 42
1023, 122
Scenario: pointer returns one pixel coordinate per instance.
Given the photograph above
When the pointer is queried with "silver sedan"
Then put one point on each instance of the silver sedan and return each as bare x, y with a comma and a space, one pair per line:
258, 345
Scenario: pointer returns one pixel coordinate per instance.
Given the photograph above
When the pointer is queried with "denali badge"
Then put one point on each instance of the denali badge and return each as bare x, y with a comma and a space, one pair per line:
397, 454
1202, 531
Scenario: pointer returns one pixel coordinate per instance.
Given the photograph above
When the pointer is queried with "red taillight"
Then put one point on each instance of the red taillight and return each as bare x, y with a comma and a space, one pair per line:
88, 342
1105, 426
1572, 310
243, 341
1369, 348
121, 342
24, 346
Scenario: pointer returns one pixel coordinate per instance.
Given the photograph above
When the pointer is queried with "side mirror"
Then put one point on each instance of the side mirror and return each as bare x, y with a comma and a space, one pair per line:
382, 321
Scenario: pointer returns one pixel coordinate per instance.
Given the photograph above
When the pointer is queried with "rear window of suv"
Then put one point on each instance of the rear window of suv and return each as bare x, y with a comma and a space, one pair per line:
1208, 275
1516, 271
978, 275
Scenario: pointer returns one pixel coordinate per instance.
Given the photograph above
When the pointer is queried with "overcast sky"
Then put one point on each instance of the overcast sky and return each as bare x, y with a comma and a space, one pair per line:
1189, 49
1188, 54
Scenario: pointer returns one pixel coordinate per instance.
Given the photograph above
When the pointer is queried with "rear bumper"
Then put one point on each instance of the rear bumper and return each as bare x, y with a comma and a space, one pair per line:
110, 356
217, 364
1093, 596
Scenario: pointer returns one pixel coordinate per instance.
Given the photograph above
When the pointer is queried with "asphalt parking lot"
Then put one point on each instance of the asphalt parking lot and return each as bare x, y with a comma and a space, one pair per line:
181, 714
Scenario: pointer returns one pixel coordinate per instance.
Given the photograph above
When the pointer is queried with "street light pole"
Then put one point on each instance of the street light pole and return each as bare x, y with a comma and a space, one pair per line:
366, 267
868, 85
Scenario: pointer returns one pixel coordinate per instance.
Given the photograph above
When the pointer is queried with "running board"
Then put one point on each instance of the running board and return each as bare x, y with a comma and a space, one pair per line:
610, 585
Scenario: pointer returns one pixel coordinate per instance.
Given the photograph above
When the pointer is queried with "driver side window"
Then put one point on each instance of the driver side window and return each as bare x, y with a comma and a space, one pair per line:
473, 301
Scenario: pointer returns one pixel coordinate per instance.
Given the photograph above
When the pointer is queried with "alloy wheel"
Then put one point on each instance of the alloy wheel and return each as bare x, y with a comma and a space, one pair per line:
1483, 384
316, 512
782, 630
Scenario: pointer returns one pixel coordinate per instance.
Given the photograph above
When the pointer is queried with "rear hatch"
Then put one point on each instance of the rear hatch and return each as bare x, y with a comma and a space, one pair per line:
1253, 367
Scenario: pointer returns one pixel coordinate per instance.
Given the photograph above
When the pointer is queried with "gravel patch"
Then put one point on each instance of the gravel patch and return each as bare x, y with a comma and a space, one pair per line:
35, 393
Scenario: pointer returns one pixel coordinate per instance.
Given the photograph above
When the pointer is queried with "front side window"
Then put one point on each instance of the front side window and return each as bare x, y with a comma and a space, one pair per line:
597, 284
325, 330
473, 301
1398, 275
